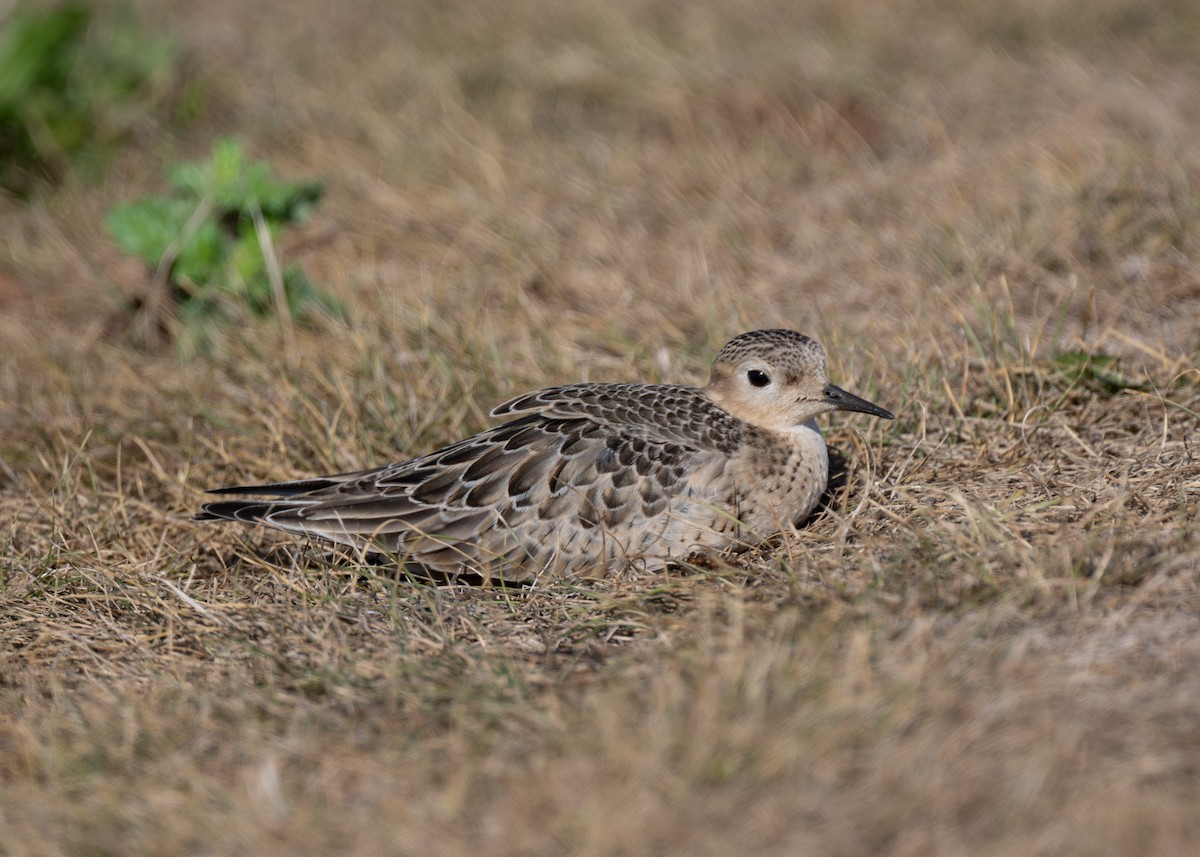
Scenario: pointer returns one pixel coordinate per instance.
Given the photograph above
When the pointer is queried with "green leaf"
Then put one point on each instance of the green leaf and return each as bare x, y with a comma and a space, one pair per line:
246, 273
202, 256
238, 188
38, 48
290, 202
151, 227
147, 228
1098, 372
72, 81
304, 298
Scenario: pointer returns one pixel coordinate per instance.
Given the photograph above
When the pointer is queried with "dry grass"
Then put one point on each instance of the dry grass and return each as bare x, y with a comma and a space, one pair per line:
988, 643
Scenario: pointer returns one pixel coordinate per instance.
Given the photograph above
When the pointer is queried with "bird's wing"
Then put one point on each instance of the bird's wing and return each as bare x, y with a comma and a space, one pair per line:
658, 411
578, 460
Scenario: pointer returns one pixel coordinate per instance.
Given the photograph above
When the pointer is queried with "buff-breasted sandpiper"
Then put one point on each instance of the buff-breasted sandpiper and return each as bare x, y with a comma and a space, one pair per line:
591, 478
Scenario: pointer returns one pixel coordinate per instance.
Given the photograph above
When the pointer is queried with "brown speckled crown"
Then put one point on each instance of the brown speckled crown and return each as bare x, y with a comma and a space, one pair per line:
796, 354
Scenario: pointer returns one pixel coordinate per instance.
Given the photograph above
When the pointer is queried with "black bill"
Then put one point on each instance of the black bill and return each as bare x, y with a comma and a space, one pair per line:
844, 401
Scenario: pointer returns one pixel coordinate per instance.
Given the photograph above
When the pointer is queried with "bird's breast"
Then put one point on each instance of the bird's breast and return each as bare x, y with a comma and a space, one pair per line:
786, 477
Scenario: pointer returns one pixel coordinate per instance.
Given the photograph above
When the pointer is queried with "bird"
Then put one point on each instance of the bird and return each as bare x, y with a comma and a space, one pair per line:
588, 479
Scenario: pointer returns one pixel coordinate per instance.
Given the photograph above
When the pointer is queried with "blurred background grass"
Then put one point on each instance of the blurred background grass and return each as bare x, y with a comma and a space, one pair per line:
986, 644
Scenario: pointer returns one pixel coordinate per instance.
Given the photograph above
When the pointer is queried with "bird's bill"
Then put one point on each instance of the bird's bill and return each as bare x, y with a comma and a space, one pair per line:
843, 401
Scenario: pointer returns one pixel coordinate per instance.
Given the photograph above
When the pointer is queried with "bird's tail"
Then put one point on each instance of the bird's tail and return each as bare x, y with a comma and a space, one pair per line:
251, 511
247, 511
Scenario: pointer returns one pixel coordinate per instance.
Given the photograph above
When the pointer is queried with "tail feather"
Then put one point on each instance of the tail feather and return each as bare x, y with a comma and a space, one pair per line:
249, 511
279, 489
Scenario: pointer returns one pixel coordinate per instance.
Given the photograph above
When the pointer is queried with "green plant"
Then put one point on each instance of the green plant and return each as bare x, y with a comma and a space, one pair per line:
1097, 372
210, 245
71, 85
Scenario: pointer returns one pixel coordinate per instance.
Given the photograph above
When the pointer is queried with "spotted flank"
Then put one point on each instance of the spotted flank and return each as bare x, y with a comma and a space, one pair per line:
587, 479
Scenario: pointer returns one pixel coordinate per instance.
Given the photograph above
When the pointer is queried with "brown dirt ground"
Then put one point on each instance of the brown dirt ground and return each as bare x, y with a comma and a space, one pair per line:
988, 643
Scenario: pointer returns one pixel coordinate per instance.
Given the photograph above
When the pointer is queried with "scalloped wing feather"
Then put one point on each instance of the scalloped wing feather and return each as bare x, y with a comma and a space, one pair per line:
578, 475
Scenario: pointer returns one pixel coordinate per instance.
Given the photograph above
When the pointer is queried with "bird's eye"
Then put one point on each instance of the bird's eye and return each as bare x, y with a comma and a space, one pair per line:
758, 378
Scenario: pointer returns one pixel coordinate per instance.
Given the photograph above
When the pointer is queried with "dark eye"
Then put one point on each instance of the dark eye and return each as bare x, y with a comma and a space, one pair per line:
758, 378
